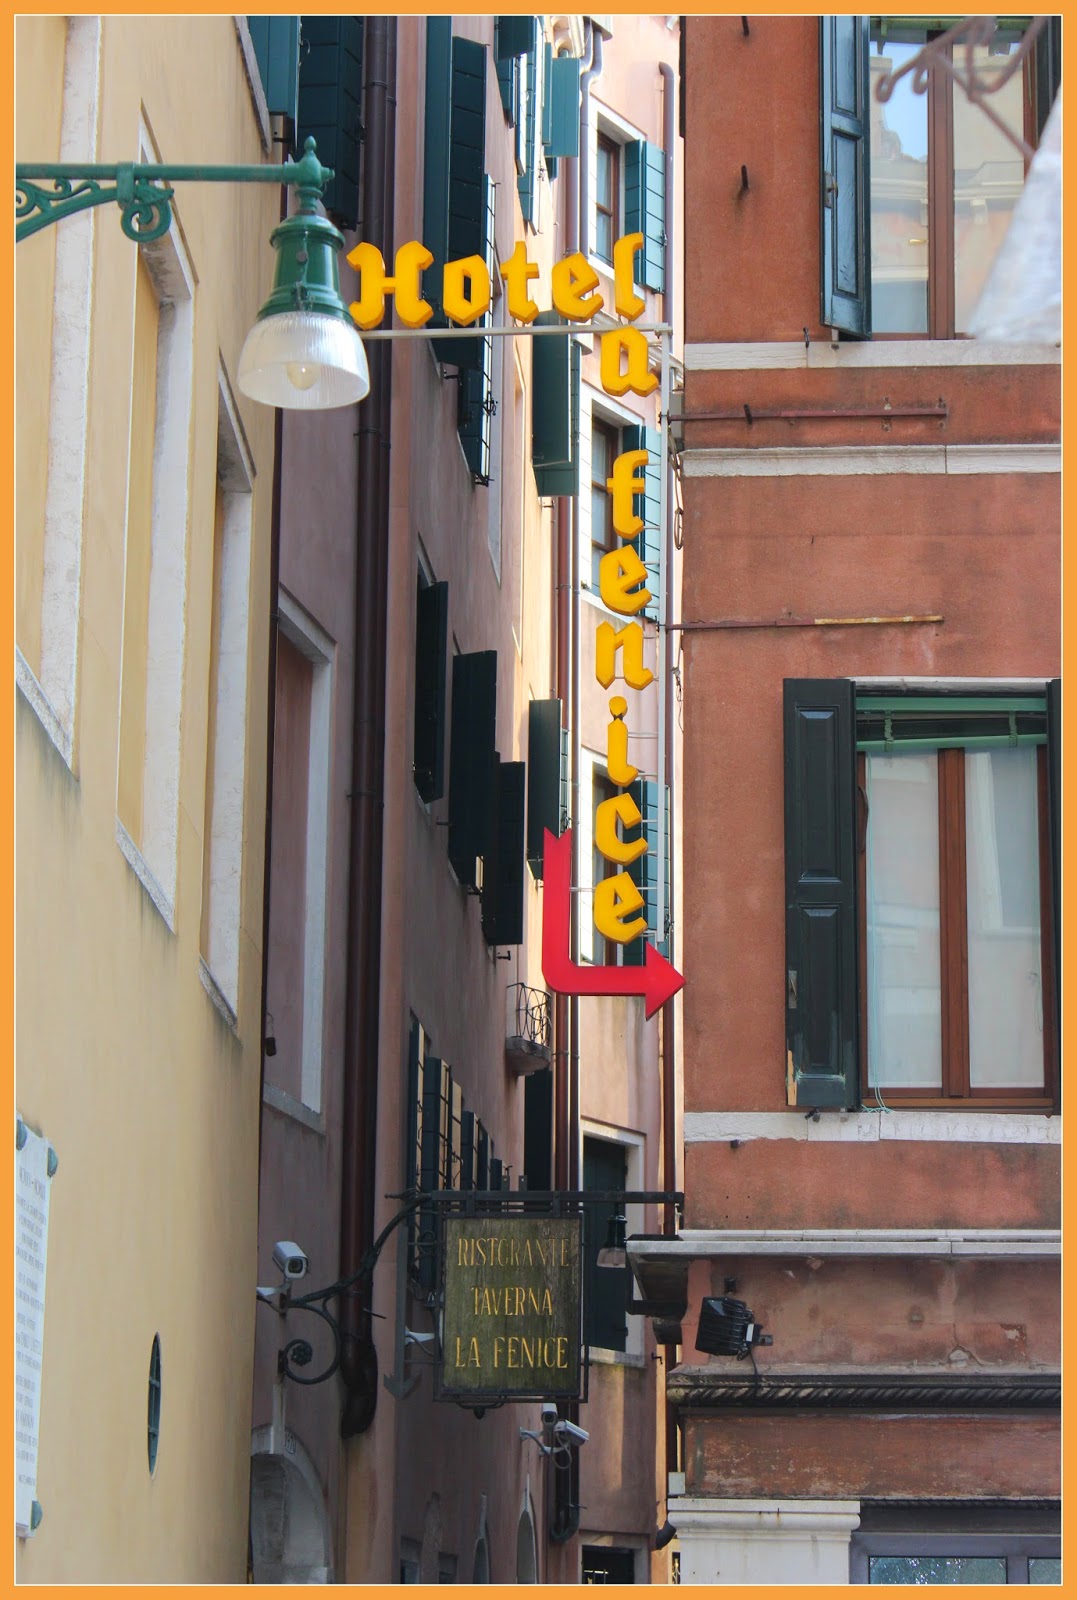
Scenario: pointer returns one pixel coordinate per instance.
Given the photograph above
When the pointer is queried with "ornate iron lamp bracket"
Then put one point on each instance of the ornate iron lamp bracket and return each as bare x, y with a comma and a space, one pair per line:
143, 190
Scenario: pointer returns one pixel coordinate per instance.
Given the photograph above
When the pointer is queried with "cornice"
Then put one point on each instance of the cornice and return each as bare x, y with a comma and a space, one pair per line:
707, 1388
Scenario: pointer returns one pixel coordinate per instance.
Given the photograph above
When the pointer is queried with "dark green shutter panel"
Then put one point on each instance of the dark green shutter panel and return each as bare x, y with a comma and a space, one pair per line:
430, 1169
515, 34
644, 872
276, 50
607, 1290
471, 761
648, 505
436, 150
645, 209
467, 1149
507, 53
844, 198
503, 865
822, 1023
546, 132
563, 99
482, 1158
555, 411
470, 190
330, 99
1054, 808
544, 778
411, 1156
474, 408
538, 1129
527, 181
431, 644
497, 1172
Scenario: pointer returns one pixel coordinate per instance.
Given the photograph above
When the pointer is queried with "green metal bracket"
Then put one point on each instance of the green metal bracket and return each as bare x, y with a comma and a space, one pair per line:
143, 191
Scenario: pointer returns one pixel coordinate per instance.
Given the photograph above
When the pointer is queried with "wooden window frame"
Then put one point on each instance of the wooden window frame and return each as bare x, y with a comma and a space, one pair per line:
957, 1089
941, 258
608, 542
613, 210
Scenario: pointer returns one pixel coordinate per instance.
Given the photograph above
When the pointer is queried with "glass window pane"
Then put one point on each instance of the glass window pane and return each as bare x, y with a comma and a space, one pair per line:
1044, 1569
988, 174
937, 1569
904, 998
604, 184
899, 222
604, 236
1002, 865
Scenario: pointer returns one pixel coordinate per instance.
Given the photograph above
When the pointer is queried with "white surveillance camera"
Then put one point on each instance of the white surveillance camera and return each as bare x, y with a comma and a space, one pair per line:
569, 1433
549, 1416
290, 1259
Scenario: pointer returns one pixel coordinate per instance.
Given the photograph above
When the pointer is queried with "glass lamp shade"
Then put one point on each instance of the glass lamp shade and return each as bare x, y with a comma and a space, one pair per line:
304, 361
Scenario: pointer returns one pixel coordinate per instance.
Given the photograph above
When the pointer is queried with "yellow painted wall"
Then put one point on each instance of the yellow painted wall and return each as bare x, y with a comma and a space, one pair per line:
149, 1098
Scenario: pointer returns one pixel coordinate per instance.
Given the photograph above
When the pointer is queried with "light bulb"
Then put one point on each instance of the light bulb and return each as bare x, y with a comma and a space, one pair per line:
302, 374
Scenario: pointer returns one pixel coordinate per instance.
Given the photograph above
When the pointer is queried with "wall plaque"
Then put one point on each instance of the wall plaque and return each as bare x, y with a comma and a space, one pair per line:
511, 1323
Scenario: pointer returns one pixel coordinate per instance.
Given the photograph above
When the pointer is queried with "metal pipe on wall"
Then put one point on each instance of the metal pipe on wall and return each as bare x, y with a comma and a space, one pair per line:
361, 1023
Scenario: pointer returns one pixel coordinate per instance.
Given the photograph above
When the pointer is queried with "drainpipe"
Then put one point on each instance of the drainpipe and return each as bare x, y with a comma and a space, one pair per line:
361, 1021
669, 1013
669, 1037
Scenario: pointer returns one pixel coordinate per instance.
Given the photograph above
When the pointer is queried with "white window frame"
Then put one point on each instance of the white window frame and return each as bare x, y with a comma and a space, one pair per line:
618, 130
53, 691
155, 859
312, 642
220, 961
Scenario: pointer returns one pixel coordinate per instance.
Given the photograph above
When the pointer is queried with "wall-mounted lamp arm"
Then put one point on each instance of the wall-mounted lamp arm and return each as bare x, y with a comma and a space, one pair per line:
143, 190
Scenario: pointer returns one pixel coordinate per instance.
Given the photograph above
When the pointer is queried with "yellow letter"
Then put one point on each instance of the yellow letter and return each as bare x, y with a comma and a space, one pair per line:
615, 899
516, 274
627, 302
411, 308
459, 306
637, 375
618, 572
623, 486
617, 764
630, 640
621, 808
569, 280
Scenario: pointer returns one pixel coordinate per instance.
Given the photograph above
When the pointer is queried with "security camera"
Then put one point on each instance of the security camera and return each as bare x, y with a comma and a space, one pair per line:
549, 1417
290, 1259
569, 1433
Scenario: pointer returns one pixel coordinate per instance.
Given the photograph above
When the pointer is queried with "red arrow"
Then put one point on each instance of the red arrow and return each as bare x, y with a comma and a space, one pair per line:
656, 980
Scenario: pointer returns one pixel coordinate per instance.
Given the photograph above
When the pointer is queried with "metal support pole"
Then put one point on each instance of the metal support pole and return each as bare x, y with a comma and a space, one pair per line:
664, 616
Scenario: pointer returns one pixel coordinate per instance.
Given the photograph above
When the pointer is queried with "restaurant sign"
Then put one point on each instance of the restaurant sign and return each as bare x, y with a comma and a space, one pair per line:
511, 1327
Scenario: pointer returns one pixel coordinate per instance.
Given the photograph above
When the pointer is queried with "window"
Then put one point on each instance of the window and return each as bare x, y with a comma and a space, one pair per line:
431, 641
605, 448
607, 197
607, 1564
226, 740
920, 890
957, 1557
607, 1290
918, 192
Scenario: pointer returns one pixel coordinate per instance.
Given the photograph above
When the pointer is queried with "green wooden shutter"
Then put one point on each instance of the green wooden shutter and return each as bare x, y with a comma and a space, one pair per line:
538, 1129
563, 99
844, 200
510, 42
476, 401
645, 208
1048, 70
412, 1163
644, 872
546, 132
497, 1173
503, 865
276, 50
514, 34
330, 99
430, 1169
437, 145
467, 1149
482, 1157
555, 411
648, 505
607, 1290
527, 181
470, 231
544, 778
822, 1020
471, 761
431, 644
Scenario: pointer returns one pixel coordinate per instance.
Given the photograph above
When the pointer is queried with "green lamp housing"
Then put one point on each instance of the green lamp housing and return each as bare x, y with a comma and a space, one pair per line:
304, 352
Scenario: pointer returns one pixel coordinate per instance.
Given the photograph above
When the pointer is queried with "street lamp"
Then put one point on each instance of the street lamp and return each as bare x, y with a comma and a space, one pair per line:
304, 352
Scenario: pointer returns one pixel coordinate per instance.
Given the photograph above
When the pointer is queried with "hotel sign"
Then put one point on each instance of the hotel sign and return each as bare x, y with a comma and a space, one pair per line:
511, 1326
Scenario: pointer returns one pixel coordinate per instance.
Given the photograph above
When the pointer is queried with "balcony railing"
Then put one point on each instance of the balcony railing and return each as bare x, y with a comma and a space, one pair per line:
527, 1041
